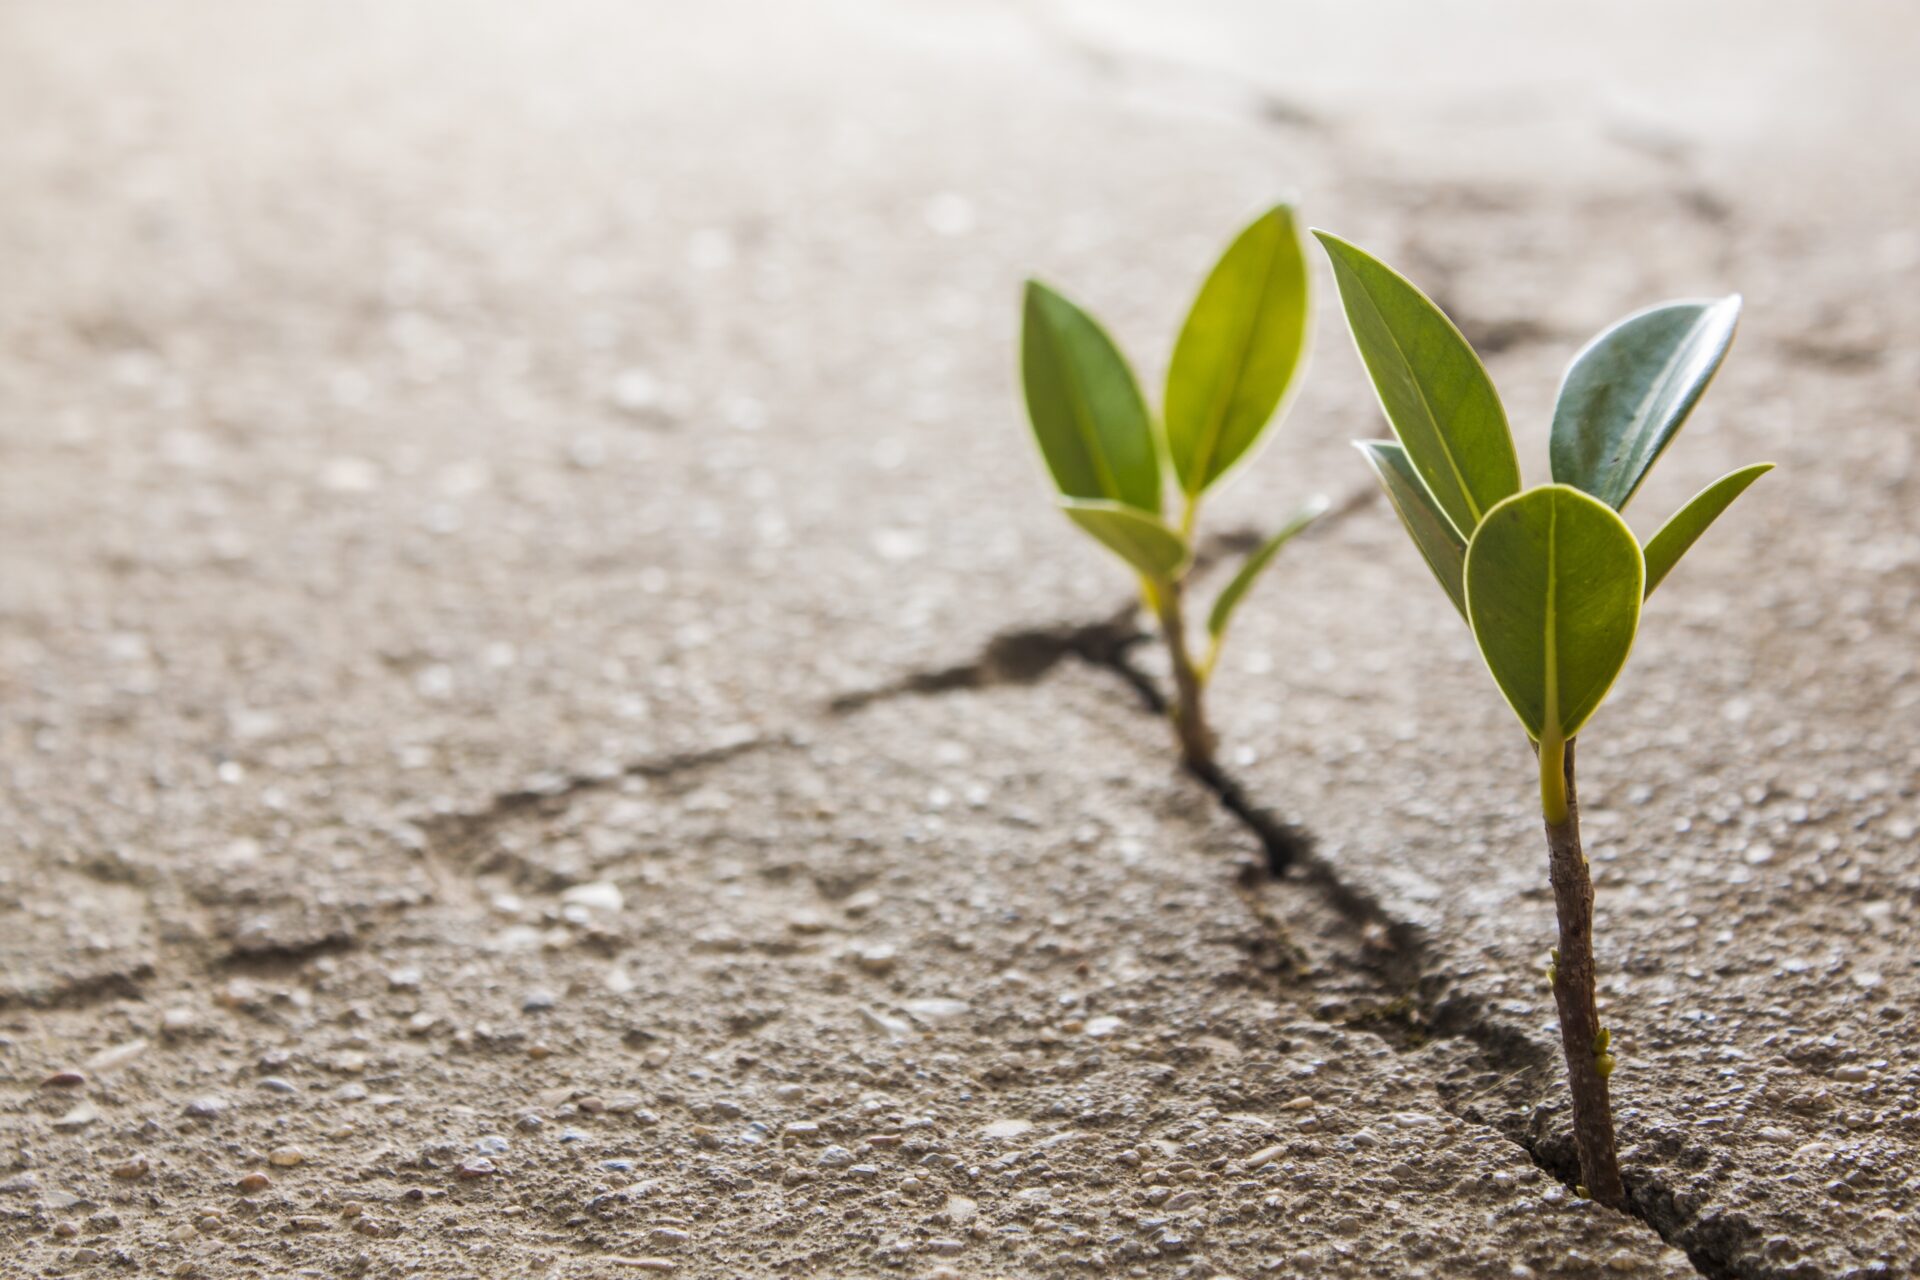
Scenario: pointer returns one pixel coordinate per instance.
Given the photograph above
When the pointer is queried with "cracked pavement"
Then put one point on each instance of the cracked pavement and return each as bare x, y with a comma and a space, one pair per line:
549, 727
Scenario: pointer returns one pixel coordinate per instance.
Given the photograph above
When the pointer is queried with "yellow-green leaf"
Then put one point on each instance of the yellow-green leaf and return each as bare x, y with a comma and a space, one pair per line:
1440, 544
1628, 392
1250, 569
1434, 390
1554, 583
1685, 526
1086, 409
1141, 539
1238, 352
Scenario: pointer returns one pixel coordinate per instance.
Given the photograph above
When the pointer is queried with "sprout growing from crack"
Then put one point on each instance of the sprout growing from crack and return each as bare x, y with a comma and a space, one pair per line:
1550, 579
1239, 352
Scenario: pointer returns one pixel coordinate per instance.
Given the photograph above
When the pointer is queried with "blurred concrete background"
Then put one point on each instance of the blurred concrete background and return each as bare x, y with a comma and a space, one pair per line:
453, 457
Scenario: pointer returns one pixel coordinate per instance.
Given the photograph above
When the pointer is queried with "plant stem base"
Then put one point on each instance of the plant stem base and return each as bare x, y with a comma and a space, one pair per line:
1573, 992
1188, 712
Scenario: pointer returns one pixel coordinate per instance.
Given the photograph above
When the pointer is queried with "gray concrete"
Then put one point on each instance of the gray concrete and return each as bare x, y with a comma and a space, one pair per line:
457, 451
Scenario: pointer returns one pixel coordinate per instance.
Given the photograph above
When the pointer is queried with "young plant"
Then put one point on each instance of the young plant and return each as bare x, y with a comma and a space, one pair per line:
1549, 579
1236, 357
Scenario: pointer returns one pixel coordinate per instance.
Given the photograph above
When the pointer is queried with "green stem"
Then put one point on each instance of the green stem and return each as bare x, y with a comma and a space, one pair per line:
1188, 711
1555, 766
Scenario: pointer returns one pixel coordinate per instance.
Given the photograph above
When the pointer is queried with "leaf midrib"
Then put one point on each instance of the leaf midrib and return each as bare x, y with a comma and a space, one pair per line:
1223, 400
1420, 390
1642, 411
1550, 714
1082, 414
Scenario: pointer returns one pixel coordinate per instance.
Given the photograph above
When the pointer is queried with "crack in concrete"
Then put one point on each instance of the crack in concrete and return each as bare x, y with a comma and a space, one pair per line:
1176, 79
550, 793
1414, 977
452, 838
1018, 657
1400, 954
83, 990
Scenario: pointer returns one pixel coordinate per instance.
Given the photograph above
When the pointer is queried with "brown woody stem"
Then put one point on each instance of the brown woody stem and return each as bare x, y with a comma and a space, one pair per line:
1573, 991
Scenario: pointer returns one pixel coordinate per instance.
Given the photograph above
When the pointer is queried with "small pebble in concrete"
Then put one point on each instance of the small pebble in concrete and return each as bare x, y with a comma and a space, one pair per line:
597, 895
938, 1010
132, 1170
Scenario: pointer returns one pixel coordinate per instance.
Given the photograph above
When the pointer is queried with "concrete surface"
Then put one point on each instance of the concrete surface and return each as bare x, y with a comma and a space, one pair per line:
458, 454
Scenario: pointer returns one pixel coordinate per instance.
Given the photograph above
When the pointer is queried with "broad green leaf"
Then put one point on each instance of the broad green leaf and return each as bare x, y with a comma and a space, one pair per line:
1433, 387
1627, 393
1441, 545
1685, 526
1238, 351
1231, 595
1086, 409
1554, 583
1142, 540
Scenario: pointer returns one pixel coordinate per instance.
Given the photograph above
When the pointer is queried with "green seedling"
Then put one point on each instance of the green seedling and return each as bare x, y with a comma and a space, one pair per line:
1550, 579
1238, 354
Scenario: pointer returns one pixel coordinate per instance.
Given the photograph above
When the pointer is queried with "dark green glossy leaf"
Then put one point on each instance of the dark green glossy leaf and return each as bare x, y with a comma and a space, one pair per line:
1554, 584
1686, 525
1432, 386
1238, 351
1142, 540
1085, 407
1627, 393
1441, 545
1250, 569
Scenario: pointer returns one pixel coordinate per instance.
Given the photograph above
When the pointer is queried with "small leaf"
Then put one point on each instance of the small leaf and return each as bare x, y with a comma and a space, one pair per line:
1086, 408
1239, 350
1627, 393
1231, 595
1685, 526
1554, 583
1432, 386
1441, 545
1142, 540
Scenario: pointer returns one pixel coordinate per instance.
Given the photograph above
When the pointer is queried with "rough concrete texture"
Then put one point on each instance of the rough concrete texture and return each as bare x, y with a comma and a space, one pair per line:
998, 1006
457, 456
